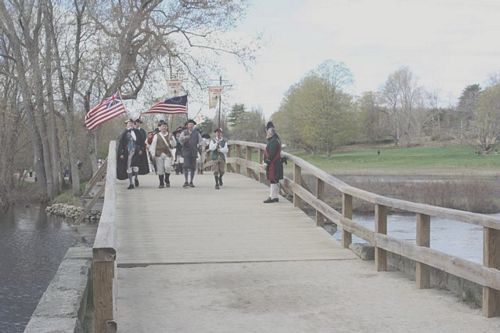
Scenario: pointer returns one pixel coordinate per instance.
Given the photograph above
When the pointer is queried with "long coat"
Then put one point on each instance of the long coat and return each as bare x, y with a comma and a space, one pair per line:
272, 158
143, 157
122, 155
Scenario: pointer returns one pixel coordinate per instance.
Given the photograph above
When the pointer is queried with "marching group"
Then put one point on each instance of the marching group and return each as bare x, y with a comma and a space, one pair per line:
136, 149
164, 149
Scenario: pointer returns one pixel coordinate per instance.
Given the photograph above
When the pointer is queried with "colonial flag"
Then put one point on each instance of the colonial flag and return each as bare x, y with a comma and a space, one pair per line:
108, 109
214, 94
170, 105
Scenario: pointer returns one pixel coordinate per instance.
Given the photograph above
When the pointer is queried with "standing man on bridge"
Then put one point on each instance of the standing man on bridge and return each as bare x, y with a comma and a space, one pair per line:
272, 162
218, 150
190, 139
161, 148
128, 151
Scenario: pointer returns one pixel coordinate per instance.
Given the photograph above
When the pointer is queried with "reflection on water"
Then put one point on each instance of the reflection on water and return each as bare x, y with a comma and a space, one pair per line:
455, 238
32, 246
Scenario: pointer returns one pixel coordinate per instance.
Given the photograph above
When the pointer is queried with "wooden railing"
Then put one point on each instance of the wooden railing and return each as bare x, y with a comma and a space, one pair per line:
487, 275
104, 254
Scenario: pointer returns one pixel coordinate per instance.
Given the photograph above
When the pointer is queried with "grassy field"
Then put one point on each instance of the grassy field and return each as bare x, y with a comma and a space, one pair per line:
453, 159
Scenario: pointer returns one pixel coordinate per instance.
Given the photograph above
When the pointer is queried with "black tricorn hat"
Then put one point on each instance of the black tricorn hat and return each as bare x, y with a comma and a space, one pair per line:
138, 121
218, 130
269, 125
191, 121
162, 122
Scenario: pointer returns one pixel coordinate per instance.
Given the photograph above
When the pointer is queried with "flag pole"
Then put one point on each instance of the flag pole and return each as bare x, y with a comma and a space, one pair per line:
220, 97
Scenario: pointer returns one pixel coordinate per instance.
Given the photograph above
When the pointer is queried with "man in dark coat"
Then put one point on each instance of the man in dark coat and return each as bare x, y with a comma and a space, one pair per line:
273, 164
128, 152
190, 139
143, 154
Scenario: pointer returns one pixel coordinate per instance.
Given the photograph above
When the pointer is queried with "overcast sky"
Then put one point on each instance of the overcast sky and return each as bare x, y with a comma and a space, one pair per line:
447, 44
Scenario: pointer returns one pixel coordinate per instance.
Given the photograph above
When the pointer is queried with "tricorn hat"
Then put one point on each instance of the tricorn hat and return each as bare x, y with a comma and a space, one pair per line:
162, 122
129, 121
191, 121
138, 121
269, 125
219, 130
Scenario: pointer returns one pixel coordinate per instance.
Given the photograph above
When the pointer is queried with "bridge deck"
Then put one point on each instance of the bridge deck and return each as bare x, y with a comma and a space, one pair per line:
201, 260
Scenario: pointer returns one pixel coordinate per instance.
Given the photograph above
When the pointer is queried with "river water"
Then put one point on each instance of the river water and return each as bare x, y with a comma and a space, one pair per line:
32, 246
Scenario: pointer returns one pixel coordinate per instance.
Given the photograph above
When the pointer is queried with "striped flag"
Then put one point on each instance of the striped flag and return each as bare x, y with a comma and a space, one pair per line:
108, 109
171, 105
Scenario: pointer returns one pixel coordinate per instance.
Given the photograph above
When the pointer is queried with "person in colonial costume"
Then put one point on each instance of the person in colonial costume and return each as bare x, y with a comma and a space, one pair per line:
128, 152
162, 148
143, 162
190, 139
273, 164
218, 150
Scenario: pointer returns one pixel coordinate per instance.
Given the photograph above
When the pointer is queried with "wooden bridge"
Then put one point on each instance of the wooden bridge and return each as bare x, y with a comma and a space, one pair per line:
206, 260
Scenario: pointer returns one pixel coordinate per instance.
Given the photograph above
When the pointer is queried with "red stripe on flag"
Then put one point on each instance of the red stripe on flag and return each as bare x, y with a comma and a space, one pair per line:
104, 115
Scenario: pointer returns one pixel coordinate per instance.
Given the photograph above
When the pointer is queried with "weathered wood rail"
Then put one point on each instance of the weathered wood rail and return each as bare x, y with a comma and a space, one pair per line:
487, 275
104, 254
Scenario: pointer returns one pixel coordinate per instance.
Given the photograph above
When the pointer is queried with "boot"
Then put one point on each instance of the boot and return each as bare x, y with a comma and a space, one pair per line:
136, 180
162, 185
131, 185
220, 180
167, 180
216, 182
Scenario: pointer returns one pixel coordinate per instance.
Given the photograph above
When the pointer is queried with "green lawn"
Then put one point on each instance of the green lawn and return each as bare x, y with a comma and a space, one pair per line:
455, 159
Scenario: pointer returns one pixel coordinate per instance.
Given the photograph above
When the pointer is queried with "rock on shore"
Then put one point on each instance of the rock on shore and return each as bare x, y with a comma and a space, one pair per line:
72, 212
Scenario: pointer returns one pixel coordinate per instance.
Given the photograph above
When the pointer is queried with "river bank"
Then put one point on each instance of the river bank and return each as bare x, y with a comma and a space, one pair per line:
474, 193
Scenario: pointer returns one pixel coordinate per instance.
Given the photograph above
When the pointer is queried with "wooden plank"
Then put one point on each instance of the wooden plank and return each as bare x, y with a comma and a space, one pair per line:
331, 213
491, 258
380, 228
100, 174
423, 238
89, 206
347, 213
465, 269
104, 250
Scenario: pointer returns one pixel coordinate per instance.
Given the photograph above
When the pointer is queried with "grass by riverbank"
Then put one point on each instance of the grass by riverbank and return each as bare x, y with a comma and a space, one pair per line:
451, 160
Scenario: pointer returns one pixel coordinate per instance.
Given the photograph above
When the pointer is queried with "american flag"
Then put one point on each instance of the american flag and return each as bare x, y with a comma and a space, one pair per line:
108, 109
170, 105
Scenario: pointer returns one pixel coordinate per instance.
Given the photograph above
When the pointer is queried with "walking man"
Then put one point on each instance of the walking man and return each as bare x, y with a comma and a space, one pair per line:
190, 139
161, 148
218, 150
128, 154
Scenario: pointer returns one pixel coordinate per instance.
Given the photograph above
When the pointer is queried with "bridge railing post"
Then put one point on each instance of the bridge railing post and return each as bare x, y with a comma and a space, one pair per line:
346, 212
423, 238
320, 191
381, 228
248, 151
491, 258
103, 279
238, 155
297, 178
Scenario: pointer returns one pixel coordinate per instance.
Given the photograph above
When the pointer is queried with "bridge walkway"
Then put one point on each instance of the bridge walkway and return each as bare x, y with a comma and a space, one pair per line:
202, 260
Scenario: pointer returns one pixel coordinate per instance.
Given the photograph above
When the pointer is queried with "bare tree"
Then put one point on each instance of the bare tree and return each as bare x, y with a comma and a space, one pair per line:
402, 97
487, 118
